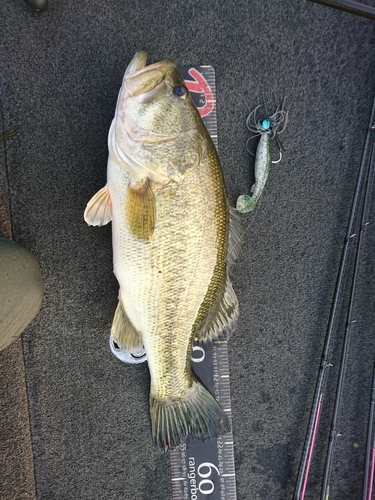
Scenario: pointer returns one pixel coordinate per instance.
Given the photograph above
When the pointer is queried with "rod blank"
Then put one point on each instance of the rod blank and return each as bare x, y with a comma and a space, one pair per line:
318, 395
351, 6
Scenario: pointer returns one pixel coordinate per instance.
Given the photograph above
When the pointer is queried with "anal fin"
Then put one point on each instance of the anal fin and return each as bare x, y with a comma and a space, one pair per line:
99, 209
222, 316
123, 332
140, 210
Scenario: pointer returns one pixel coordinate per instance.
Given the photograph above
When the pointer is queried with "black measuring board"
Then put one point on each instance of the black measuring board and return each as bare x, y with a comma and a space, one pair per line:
205, 470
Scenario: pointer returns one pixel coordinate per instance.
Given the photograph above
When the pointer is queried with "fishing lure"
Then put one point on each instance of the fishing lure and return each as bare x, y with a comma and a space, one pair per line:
268, 128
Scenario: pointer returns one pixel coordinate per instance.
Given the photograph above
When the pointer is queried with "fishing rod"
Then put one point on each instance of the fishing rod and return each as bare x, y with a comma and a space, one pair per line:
310, 439
345, 350
351, 6
368, 478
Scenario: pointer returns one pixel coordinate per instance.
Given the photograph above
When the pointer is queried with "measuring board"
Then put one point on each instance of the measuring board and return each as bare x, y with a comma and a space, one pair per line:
205, 470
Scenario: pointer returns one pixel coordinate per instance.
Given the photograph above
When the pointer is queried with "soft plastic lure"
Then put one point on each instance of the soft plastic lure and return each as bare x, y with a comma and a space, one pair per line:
268, 128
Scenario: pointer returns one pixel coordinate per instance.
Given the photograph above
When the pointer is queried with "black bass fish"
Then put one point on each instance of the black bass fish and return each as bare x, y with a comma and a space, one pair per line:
174, 237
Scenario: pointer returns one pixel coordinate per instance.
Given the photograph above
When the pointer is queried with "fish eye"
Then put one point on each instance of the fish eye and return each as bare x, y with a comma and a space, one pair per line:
180, 91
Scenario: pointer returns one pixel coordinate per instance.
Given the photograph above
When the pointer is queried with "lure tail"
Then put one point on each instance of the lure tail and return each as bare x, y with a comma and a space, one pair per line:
197, 414
245, 204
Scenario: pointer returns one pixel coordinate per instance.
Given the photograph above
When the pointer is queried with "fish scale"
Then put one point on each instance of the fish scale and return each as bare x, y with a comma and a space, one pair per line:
202, 470
176, 282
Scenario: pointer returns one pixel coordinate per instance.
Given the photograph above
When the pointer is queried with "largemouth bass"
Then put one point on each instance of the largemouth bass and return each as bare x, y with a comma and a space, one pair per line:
173, 239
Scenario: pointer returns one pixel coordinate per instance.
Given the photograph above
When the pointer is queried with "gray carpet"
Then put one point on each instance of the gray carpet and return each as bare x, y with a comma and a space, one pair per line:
75, 421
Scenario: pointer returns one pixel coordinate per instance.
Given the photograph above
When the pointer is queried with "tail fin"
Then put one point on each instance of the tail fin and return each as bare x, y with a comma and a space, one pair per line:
197, 414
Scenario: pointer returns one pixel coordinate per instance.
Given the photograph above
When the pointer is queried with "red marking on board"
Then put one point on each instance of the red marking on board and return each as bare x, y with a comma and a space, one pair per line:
200, 86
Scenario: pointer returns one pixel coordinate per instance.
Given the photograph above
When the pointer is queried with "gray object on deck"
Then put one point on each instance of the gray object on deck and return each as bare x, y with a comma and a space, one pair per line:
21, 290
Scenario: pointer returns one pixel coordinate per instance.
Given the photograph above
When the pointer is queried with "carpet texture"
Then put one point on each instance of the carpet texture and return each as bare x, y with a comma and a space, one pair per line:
80, 427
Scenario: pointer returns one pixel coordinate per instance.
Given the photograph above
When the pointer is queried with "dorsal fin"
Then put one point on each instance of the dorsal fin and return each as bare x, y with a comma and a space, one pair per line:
236, 233
222, 316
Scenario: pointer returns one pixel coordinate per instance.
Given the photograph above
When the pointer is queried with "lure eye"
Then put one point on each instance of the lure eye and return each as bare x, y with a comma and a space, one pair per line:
180, 91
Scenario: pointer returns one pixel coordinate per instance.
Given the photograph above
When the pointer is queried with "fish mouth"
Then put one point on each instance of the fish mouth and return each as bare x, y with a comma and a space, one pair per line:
142, 80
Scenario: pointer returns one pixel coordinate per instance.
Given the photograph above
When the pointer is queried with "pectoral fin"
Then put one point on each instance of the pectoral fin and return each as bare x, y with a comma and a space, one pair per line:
99, 209
222, 316
140, 210
123, 332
